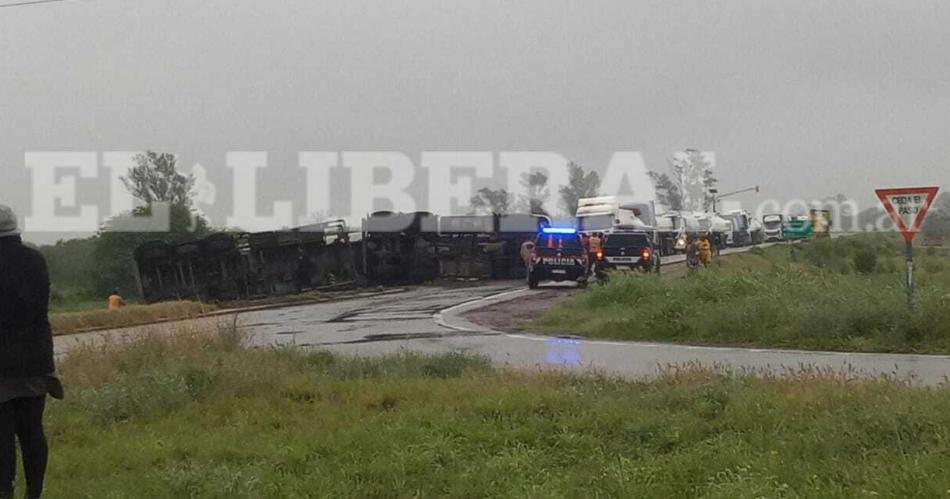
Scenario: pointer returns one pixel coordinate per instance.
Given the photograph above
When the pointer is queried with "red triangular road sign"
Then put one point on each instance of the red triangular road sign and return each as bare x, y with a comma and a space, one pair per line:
908, 207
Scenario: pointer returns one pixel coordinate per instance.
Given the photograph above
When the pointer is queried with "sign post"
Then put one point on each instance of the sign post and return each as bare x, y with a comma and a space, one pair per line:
908, 207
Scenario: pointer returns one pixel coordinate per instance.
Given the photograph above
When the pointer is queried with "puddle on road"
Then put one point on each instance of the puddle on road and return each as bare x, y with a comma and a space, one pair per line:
388, 317
375, 338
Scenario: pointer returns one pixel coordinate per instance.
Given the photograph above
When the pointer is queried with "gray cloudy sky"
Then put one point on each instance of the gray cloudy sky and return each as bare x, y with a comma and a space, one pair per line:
805, 98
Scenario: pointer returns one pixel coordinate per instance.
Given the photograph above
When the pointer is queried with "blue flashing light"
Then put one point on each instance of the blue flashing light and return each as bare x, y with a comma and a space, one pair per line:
558, 230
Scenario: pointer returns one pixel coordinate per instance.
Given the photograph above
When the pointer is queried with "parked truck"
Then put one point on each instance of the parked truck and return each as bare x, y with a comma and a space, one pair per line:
797, 228
772, 225
821, 220
746, 229
611, 213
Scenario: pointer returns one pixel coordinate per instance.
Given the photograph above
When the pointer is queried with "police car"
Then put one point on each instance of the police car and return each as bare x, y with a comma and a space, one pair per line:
558, 255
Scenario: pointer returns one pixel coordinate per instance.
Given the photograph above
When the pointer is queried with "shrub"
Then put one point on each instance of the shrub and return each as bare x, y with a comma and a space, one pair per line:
865, 261
887, 266
932, 265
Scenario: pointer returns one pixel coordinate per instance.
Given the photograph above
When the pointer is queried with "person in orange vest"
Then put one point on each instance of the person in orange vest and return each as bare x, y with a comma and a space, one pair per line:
595, 247
115, 301
705, 250
596, 243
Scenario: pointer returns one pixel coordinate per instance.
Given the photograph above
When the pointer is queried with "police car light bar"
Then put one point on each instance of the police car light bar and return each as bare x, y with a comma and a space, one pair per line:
558, 230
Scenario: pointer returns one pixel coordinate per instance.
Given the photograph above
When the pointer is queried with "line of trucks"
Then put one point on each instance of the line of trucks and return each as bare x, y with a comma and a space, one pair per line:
635, 236
669, 229
395, 247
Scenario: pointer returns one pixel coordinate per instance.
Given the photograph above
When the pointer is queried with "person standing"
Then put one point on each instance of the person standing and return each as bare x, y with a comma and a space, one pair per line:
595, 244
594, 249
692, 252
26, 359
115, 301
705, 250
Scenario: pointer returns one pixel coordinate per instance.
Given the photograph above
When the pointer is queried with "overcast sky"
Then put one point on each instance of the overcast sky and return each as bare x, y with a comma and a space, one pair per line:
805, 98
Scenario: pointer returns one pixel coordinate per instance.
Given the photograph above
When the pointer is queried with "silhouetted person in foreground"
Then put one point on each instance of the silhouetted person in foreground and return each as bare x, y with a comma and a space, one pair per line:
26, 359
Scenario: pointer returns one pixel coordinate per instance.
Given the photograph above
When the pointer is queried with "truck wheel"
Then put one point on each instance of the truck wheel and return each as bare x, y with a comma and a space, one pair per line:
582, 284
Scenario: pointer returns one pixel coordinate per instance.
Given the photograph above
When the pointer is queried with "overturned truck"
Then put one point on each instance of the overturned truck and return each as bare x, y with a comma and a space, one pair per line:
487, 247
418, 247
231, 266
388, 248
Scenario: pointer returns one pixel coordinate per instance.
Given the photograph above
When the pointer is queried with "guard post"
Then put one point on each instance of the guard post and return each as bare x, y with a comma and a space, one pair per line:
909, 253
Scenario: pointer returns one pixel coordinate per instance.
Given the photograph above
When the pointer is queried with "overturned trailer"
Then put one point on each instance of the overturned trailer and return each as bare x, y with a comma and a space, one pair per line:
486, 246
158, 277
396, 249
388, 248
229, 266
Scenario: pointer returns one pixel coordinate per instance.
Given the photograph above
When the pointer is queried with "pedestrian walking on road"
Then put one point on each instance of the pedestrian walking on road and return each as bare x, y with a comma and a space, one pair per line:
26, 359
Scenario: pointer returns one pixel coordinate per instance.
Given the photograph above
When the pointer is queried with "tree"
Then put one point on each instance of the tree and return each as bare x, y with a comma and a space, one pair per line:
155, 179
70, 270
667, 193
938, 220
709, 185
693, 176
580, 184
113, 251
874, 219
496, 201
536, 185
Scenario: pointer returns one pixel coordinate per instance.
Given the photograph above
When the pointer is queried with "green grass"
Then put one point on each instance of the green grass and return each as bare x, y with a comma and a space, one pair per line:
808, 296
86, 319
82, 305
199, 415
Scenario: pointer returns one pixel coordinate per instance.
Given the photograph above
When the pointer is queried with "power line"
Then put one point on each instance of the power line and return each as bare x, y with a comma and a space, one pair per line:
29, 2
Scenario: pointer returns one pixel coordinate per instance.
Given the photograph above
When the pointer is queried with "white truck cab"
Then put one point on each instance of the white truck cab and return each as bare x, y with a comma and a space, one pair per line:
772, 227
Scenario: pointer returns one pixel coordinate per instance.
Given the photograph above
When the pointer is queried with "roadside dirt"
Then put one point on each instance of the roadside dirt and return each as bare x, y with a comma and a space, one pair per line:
512, 315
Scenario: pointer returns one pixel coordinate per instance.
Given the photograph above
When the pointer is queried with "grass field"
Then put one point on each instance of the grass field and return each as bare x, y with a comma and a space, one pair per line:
837, 294
130, 315
76, 305
77, 315
199, 415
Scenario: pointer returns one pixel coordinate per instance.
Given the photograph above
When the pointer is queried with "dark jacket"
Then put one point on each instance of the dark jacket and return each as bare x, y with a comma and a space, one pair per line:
26, 340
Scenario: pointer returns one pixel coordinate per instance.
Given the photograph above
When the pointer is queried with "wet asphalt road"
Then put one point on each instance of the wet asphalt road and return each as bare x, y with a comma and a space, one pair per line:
430, 320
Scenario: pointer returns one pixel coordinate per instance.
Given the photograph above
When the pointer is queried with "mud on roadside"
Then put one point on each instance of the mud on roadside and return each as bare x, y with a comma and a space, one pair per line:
512, 315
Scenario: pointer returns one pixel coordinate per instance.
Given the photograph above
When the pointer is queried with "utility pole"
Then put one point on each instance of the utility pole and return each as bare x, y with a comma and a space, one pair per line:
28, 2
716, 198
